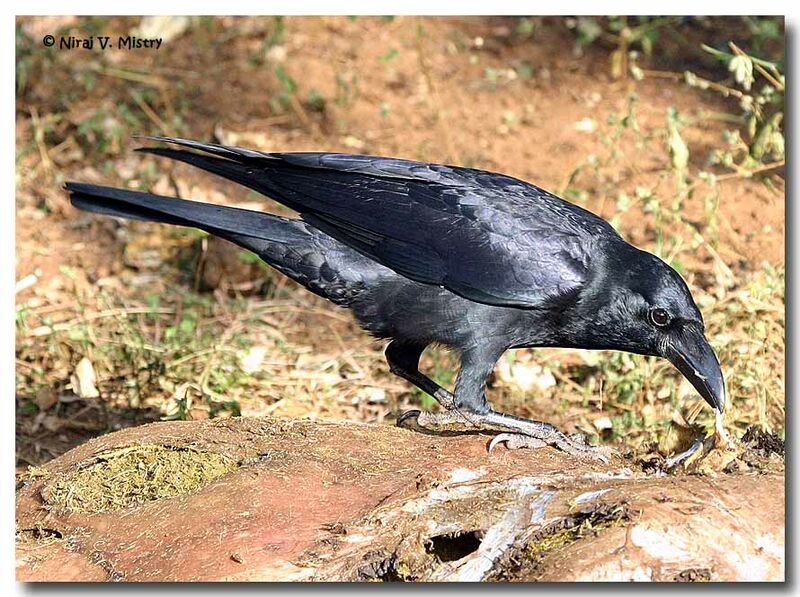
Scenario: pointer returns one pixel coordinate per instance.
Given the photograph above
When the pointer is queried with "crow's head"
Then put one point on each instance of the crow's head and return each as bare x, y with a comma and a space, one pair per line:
642, 305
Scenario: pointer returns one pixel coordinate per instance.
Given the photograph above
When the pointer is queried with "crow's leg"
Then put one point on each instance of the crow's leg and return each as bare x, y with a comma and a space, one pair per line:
403, 359
469, 400
471, 411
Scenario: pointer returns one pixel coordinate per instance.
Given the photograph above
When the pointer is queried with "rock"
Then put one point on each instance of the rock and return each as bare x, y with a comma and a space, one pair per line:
299, 500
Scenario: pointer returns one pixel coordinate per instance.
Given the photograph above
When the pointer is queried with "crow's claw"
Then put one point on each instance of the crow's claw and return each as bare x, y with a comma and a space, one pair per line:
515, 441
409, 414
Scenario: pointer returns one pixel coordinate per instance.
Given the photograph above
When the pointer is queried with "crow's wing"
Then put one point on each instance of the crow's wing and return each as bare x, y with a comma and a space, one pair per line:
488, 237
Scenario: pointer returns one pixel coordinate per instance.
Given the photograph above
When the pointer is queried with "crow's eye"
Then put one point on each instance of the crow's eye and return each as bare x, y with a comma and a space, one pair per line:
659, 317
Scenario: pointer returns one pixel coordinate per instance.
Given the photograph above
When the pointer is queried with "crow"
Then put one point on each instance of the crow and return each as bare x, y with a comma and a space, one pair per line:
426, 254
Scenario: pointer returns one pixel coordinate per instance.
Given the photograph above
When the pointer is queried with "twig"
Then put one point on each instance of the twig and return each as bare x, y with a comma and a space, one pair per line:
151, 114
60, 327
262, 123
25, 365
298, 109
38, 135
723, 89
101, 340
574, 385
191, 357
742, 173
260, 305
716, 256
127, 75
217, 348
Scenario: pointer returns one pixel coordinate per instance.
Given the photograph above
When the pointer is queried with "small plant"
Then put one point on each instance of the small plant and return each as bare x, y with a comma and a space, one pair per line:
346, 89
625, 33
762, 108
315, 101
275, 34
526, 27
281, 100
676, 146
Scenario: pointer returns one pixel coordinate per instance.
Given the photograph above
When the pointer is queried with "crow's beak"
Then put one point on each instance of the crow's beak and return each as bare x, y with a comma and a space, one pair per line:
691, 353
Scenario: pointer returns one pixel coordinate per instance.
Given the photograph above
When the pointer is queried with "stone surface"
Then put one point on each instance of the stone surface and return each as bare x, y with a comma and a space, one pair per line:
329, 501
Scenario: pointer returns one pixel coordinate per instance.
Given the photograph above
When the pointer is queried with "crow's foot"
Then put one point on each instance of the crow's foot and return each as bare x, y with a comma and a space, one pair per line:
516, 432
449, 420
570, 444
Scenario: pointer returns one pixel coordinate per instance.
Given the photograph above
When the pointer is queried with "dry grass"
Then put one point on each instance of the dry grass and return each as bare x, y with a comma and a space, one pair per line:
134, 475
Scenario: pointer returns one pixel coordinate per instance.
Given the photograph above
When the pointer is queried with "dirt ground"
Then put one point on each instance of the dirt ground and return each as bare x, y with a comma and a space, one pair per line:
123, 323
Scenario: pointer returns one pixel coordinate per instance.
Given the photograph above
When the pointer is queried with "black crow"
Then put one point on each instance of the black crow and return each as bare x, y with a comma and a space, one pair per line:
431, 254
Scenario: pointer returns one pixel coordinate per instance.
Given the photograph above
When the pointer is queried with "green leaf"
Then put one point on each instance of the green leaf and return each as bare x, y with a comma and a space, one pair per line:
248, 257
526, 26
648, 40
286, 81
315, 101
678, 150
67, 271
524, 70
388, 55
588, 30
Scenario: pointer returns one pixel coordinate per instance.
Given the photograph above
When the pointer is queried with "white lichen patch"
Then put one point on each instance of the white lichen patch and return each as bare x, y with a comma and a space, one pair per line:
463, 475
589, 496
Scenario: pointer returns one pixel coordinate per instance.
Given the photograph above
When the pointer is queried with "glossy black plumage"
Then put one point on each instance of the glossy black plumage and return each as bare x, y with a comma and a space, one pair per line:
488, 237
425, 253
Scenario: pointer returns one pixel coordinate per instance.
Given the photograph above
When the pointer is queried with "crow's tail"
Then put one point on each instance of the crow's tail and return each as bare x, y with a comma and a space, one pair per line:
320, 263
217, 219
